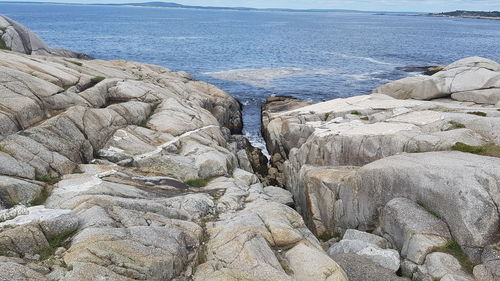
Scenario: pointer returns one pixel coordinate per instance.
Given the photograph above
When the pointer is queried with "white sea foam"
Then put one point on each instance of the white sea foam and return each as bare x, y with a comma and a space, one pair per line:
258, 142
365, 76
264, 76
368, 59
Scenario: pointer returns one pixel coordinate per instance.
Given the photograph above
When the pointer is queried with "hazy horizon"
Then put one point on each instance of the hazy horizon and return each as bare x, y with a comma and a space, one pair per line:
363, 5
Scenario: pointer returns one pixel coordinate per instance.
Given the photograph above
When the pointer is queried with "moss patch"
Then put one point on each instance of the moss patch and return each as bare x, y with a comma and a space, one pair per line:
456, 125
60, 240
3, 45
144, 123
478, 113
197, 182
428, 210
487, 150
355, 112
74, 62
454, 249
365, 118
327, 236
44, 194
97, 79
460, 146
47, 179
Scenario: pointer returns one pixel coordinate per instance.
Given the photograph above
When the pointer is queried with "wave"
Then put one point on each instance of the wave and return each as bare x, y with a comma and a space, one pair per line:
374, 75
263, 77
181, 37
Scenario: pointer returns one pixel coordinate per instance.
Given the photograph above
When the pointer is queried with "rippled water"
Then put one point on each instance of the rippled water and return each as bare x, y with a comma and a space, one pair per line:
253, 55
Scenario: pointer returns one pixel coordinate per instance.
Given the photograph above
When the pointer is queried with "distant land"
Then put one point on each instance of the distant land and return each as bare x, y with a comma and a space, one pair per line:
180, 6
176, 5
495, 15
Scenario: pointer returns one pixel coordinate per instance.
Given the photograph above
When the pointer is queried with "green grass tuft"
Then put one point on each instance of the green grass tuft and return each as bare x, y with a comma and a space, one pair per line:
97, 79
197, 182
144, 123
487, 150
454, 249
327, 236
460, 146
429, 210
40, 200
355, 112
55, 242
456, 125
48, 179
478, 113
74, 62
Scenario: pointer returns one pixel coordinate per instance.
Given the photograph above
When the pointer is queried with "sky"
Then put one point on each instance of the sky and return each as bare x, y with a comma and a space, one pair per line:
366, 5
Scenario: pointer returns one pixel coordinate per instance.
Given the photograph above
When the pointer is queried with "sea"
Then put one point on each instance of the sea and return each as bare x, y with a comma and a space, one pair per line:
252, 55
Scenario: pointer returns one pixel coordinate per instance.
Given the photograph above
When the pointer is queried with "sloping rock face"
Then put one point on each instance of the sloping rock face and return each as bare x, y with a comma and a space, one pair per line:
384, 165
473, 79
18, 38
114, 170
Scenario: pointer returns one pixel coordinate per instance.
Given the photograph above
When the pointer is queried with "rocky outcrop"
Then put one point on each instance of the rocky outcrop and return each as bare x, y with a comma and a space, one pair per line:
472, 79
128, 171
384, 165
16, 37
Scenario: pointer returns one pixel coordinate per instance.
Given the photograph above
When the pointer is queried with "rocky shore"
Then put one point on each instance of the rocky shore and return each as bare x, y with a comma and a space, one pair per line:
415, 163
115, 170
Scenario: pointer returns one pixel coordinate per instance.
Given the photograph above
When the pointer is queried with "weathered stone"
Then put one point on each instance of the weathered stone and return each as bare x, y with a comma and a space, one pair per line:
353, 234
20, 39
10, 271
309, 263
439, 266
386, 258
412, 229
15, 191
357, 268
279, 195
466, 78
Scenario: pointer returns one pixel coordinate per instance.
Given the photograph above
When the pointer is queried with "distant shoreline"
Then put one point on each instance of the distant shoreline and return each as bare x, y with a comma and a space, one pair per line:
492, 15
463, 17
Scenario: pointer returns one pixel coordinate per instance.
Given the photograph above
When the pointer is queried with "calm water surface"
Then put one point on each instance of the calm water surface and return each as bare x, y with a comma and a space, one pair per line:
253, 55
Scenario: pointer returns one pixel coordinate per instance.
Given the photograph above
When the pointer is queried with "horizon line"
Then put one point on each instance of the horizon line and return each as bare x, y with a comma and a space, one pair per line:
182, 6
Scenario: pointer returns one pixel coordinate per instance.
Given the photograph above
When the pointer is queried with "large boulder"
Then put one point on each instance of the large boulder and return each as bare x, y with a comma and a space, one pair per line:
473, 79
358, 268
18, 38
412, 229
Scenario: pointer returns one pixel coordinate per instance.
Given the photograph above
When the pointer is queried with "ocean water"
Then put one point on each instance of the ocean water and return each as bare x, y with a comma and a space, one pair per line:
253, 55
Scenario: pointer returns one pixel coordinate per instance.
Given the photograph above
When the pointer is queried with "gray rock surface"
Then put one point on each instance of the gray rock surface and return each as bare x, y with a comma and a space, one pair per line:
20, 39
473, 79
143, 178
345, 159
386, 258
358, 268
412, 229
439, 266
